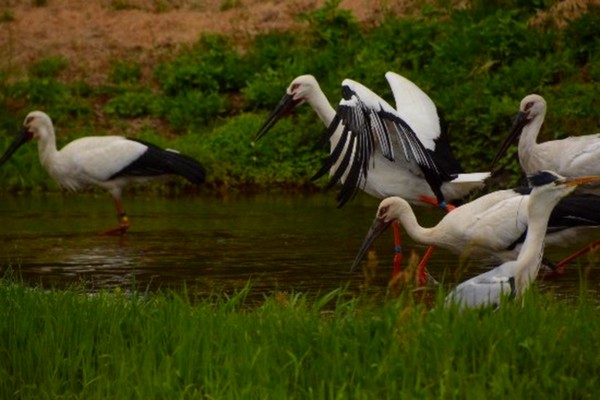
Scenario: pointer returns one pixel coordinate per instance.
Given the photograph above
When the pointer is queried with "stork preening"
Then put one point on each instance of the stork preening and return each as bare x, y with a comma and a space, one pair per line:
570, 157
381, 150
110, 162
512, 278
492, 226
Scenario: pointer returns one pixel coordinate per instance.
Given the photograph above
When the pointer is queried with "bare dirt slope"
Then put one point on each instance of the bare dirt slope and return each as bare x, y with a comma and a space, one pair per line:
93, 33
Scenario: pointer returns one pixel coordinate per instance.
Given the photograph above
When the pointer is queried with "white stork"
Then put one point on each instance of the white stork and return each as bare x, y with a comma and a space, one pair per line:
491, 226
570, 157
110, 162
512, 278
379, 149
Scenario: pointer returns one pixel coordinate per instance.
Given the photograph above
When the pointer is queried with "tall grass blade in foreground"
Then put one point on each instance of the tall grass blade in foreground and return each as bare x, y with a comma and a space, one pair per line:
72, 345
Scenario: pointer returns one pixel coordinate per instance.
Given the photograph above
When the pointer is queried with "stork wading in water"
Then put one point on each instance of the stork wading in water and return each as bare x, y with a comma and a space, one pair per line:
381, 150
512, 278
569, 157
492, 226
110, 162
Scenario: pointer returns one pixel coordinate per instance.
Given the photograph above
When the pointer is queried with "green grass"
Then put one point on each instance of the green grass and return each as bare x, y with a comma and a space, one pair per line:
68, 344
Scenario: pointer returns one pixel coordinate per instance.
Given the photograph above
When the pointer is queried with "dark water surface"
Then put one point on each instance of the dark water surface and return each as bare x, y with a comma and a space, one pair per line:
210, 244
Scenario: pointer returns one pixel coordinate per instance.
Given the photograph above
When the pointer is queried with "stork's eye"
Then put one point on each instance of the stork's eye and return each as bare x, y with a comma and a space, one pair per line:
28, 120
528, 106
383, 211
295, 87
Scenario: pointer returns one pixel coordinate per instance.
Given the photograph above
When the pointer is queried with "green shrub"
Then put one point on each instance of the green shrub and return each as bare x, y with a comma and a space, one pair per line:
131, 104
191, 108
39, 91
125, 72
49, 67
212, 65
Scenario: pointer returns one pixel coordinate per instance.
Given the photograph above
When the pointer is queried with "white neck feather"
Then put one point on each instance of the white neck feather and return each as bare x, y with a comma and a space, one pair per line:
47, 146
529, 260
319, 103
409, 222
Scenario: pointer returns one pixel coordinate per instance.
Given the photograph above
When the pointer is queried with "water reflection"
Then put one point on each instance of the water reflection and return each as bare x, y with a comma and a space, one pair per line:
212, 244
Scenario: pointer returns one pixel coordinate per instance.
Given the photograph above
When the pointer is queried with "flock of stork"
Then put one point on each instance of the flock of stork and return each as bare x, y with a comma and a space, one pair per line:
403, 156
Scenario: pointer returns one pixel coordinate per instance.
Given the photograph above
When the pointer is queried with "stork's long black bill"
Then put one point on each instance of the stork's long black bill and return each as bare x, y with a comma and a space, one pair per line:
23, 137
376, 229
518, 125
286, 104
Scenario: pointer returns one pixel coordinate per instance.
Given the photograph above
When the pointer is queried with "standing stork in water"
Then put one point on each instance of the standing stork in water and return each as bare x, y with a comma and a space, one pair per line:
382, 150
110, 162
491, 226
513, 277
366, 134
569, 157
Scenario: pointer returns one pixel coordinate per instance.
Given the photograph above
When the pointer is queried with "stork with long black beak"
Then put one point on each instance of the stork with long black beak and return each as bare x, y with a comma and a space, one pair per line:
569, 157
382, 150
512, 278
110, 162
491, 226
379, 149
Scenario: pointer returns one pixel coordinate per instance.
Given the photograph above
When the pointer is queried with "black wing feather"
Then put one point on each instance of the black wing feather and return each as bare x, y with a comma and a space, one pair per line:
330, 160
156, 161
367, 127
339, 172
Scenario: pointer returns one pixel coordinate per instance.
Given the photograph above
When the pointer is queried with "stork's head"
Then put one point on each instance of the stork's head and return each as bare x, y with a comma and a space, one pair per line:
551, 182
297, 93
37, 125
302, 88
389, 210
531, 106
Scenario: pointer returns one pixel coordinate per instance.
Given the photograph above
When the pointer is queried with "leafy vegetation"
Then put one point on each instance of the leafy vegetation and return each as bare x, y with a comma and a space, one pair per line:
476, 64
68, 344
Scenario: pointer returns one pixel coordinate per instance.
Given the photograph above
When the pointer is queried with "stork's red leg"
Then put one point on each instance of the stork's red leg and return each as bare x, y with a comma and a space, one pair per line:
422, 267
123, 220
560, 266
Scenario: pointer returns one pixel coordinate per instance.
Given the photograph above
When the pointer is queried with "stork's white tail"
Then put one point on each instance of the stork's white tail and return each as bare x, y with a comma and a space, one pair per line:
473, 177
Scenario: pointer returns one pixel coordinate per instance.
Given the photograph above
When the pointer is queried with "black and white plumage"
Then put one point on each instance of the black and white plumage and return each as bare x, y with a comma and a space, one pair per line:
110, 162
512, 278
381, 150
572, 156
367, 122
492, 226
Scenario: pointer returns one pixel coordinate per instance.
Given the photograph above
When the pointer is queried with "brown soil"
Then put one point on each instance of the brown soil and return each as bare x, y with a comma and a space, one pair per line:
92, 34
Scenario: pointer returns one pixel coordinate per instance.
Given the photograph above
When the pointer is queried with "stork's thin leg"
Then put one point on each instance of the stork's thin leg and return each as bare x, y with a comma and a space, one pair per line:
123, 220
397, 250
422, 267
560, 266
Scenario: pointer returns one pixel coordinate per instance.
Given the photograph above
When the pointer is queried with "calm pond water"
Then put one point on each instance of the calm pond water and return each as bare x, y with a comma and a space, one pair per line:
210, 244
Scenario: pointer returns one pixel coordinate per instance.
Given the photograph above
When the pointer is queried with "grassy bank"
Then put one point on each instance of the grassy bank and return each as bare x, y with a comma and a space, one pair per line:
209, 99
65, 344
